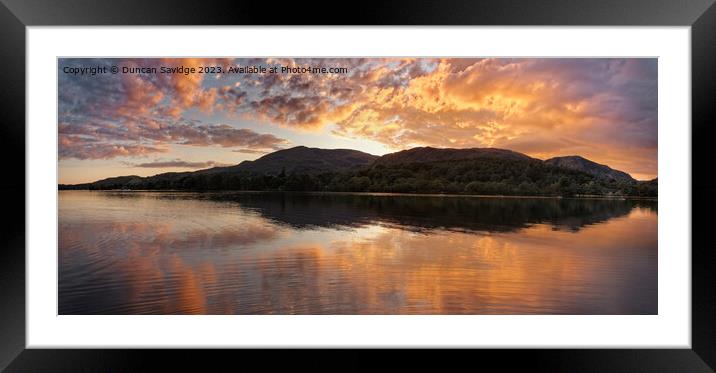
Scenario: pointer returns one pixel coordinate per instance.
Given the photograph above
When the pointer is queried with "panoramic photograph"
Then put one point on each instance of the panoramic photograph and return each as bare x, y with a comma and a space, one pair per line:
359, 186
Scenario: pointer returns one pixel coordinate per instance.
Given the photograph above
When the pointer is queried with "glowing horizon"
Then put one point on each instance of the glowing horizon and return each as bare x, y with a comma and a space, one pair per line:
150, 122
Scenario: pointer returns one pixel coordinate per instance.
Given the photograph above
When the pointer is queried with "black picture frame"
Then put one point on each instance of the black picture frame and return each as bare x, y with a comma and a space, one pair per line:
16, 15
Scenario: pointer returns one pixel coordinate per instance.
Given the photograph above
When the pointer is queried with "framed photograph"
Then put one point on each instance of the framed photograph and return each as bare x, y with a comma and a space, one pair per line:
516, 180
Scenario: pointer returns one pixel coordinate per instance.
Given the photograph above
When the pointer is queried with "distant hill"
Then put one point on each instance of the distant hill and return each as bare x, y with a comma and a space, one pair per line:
575, 162
118, 182
301, 160
418, 170
429, 154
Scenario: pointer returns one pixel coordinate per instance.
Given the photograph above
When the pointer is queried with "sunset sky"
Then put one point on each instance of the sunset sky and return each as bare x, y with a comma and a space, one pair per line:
144, 124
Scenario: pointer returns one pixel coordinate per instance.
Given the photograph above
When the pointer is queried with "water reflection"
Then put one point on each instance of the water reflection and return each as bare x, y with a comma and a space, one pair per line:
245, 253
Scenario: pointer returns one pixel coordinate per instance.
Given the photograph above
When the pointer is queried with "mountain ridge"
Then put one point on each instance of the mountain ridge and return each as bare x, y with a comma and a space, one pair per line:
431, 154
576, 162
301, 159
421, 169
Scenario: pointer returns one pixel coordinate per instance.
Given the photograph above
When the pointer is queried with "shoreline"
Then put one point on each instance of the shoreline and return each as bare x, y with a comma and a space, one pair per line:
376, 194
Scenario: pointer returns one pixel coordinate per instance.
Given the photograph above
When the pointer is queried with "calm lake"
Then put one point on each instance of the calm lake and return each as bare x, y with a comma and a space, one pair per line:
282, 253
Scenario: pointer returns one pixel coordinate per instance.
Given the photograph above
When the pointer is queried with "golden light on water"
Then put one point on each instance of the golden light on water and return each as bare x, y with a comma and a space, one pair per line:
217, 258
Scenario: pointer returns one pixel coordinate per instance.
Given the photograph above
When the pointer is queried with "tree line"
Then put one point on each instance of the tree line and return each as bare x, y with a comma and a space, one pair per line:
483, 176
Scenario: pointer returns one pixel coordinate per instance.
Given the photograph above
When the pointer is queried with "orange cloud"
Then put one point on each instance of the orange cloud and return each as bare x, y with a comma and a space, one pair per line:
603, 109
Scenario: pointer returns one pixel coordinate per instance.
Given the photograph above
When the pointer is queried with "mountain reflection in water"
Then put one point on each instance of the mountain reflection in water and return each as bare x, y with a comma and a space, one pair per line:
281, 253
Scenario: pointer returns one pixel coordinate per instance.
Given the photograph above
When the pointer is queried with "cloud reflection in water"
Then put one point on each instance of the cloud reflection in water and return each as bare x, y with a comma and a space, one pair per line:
183, 253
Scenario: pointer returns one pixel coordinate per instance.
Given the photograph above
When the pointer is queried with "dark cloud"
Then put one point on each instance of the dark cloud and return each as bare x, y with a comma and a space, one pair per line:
145, 136
176, 163
250, 151
71, 147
